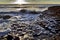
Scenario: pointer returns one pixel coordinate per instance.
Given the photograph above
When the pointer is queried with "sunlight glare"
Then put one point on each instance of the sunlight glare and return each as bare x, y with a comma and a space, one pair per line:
20, 2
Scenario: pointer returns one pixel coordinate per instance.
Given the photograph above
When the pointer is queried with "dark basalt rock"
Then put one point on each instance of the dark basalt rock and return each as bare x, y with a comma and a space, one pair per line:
23, 11
1, 16
33, 12
55, 10
6, 17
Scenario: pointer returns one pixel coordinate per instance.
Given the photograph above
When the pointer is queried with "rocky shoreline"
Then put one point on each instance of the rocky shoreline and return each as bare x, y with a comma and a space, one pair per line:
32, 25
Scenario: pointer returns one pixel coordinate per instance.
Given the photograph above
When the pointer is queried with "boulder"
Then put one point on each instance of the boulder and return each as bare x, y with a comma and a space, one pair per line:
55, 10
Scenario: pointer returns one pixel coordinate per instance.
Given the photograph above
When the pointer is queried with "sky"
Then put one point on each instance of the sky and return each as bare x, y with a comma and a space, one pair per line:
30, 1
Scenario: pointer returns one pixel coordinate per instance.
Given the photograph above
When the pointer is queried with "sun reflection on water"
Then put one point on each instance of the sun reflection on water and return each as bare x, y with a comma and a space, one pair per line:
20, 2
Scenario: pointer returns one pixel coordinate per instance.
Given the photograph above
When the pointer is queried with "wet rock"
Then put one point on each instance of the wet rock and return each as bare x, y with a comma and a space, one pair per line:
23, 10
6, 17
35, 26
33, 12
